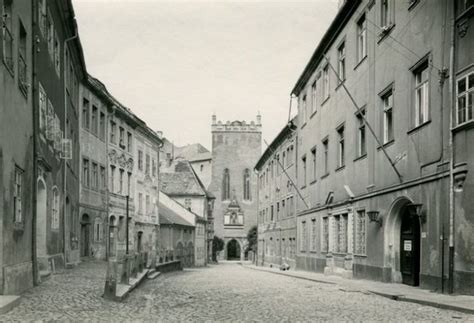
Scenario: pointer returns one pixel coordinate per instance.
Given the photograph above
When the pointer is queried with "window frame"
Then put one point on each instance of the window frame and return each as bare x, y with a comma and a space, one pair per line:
388, 110
465, 94
361, 37
341, 149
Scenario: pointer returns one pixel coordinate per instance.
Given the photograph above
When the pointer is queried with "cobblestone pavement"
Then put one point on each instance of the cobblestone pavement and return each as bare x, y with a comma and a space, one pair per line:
224, 292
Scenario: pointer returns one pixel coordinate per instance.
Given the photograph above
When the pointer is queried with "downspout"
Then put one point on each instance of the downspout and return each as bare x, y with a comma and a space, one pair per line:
65, 136
35, 148
451, 149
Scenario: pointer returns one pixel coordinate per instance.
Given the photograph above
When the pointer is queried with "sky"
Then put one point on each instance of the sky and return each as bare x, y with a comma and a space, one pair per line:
176, 63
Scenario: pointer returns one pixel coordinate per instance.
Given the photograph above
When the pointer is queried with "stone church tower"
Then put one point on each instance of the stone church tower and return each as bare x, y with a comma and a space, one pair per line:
236, 148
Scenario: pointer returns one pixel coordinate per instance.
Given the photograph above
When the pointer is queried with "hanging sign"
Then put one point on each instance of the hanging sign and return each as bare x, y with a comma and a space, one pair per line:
407, 245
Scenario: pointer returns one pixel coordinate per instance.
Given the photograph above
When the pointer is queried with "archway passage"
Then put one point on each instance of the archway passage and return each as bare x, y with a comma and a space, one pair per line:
233, 250
410, 248
85, 236
41, 215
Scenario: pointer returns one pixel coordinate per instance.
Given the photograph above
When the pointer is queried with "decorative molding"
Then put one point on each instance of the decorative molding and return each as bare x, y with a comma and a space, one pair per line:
463, 26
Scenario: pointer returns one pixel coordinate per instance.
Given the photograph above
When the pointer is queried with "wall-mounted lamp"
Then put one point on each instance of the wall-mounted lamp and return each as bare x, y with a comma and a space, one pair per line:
374, 216
415, 209
459, 174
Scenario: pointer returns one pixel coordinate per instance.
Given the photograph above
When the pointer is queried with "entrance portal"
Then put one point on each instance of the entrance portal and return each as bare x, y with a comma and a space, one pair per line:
410, 248
233, 250
85, 236
41, 213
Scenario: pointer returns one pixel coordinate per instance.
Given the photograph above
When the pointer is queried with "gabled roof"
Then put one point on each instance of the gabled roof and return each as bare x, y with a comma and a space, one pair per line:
182, 181
168, 216
193, 152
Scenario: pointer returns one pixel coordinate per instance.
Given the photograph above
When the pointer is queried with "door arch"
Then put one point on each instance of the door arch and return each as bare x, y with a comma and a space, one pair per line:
41, 218
410, 248
233, 250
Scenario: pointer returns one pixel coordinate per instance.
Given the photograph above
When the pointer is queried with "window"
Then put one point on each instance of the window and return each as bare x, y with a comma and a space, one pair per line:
386, 15
290, 155
147, 164
50, 36
140, 203
102, 126
361, 38
278, 164
313, 234
113, 130
326, 156
57, 53
341, 62
304, 116
387, 101
94, 119
202, 168
55, 210
85, 113
43, 107
85, 172
121, 173
129, 177
303, 236
341, 147
303, 164
325, 83
129, 142
98, 228
188, 204
313, 159
226, 185
147, 205
95, 176
361, 138
42, 17
271, 213
140, 160
465, 98
421, 94
340, 233
247, 194
283, 208
121, 137
153, 168
18, 196
283, 160
360, 234
325, 235
112, 178
103, 182
313, 96
22, 66
7, 35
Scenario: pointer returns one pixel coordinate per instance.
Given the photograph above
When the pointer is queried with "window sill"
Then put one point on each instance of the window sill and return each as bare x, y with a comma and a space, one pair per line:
464, 126
360, 62
360, 157
340, 84
313, 181
420, 126
385, 33
325, 100
324, 176
387, 144
340, 168
413, 4
359, 256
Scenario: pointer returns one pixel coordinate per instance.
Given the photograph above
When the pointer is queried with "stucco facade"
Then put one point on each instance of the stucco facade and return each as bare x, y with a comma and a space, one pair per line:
236, 147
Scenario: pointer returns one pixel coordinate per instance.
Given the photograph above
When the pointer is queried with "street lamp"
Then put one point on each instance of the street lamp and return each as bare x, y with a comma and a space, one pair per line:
374, 216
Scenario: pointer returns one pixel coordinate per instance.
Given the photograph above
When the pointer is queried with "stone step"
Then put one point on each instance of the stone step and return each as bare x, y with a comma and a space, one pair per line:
154, 275
44, 275
7, 302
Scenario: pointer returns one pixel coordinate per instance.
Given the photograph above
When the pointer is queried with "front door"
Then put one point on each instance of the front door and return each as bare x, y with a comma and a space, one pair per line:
410, 249
85, 240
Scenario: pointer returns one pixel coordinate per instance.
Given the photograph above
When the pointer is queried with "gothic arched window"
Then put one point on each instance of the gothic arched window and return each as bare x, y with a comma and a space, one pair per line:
226, 185
247, 193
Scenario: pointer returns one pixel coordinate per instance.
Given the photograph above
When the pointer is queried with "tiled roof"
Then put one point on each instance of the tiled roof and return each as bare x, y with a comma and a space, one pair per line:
193, 152
182, 181
168, 216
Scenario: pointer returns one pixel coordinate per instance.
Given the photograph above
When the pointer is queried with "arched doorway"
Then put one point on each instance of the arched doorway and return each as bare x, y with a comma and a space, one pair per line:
410, 248
139, 241
402, 243
41, 219
112, 234
233, 250
85, 235
190, 253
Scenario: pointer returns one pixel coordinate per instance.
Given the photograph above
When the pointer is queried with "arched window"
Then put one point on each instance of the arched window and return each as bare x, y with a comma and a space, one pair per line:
247, 193
55, 209
226, 185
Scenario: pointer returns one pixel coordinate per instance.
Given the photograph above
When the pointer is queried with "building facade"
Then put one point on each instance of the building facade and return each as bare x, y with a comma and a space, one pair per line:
16, 148
58, 68
373, 161
146, 220
236, 147
277, 200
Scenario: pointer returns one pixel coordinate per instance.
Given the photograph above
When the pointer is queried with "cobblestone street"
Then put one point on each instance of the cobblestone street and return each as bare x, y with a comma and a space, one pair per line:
224, 292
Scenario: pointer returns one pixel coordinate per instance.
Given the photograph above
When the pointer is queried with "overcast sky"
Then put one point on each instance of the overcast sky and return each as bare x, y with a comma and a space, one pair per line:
176, 63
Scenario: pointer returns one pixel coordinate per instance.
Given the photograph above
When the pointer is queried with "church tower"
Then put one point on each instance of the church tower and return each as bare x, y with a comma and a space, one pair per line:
236, 148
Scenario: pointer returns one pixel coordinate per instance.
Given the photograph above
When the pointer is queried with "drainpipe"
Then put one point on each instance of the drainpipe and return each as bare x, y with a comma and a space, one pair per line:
451, 148
35, 148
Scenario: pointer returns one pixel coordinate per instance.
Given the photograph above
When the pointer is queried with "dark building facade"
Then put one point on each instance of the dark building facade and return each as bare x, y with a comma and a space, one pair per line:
236, 147
374, 163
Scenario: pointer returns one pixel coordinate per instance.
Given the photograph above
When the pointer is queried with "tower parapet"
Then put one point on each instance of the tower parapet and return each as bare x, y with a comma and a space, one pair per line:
237, 125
